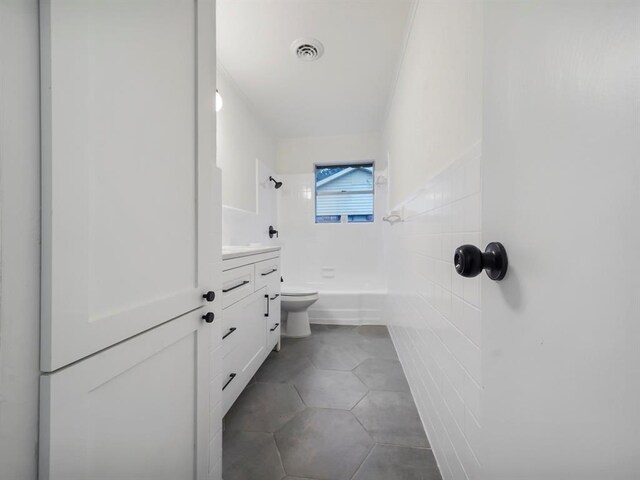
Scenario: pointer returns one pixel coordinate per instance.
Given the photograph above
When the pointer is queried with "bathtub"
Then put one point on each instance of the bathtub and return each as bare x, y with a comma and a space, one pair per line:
348, 308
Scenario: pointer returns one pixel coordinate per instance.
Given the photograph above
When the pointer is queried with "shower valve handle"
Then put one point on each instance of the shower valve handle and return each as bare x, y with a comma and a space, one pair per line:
469, 261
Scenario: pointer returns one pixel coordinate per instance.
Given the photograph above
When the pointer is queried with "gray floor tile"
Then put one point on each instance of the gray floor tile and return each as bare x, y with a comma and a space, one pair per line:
392, 418
249, 456
297, 346
382, 374
388, 462
298, 478
330, 389
264, 407
321, 443
335, 335
373, 331
378, 347
328, 446
281, 368
330, 356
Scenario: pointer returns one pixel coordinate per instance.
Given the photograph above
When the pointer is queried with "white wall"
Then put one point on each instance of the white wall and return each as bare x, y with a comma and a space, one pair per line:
561, 190
19, 238
247, 157
435, 113
330, 257
432, 137
299, 155
242, 139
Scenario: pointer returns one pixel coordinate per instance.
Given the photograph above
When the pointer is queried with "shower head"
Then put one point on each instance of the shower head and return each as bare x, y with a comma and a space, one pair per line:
277, 184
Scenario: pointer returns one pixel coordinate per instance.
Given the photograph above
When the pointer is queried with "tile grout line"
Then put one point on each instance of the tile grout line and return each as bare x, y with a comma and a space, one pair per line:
369, 453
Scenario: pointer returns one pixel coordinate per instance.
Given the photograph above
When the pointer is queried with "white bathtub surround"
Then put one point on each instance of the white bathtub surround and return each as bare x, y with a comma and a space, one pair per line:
344, 262
349, 307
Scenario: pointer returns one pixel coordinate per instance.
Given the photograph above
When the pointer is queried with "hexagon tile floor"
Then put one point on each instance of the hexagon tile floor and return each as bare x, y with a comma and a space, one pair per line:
332, 406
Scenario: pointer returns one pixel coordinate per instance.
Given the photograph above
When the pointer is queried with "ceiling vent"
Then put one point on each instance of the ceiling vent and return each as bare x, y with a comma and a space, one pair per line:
307, 49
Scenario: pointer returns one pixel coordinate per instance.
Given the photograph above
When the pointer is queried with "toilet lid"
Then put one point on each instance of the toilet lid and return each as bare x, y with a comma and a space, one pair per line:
293, 291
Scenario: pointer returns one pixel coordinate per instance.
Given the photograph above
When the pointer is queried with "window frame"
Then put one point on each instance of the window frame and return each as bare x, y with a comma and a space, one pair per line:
344, 218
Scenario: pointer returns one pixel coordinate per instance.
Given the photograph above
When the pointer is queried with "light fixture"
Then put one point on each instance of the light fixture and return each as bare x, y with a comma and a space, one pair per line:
218, 101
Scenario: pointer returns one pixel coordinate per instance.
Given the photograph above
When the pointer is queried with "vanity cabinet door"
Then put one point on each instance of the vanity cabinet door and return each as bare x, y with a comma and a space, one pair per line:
269, 272
243, 345
273, 320
138, 410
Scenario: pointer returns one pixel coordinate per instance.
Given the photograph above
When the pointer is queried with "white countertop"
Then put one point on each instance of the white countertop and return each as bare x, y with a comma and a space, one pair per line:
235, 251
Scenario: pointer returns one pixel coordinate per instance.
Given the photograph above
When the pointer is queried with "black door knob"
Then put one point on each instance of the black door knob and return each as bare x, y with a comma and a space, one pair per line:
208, 317
209, 296
469, 261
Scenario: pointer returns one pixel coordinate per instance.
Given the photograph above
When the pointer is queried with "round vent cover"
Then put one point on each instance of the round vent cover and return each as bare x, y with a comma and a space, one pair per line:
307, 49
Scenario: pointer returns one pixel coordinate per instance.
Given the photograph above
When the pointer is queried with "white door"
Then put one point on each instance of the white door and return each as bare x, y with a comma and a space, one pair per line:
136, 411
561, 191
128, 153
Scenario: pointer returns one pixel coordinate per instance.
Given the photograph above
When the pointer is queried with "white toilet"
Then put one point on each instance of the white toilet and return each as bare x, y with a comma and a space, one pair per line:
295, 303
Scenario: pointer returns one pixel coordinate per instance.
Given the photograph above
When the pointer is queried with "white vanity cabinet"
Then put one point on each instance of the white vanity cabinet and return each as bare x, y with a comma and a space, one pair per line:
250, 325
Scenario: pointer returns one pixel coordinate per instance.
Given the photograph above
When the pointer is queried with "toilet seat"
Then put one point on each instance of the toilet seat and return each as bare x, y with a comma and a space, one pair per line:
294, 291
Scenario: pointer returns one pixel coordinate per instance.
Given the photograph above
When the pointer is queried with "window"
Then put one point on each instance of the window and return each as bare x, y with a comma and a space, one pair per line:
344, 193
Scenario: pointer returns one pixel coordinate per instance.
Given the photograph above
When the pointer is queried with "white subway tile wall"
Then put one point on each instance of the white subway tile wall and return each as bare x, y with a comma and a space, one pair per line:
434, 314
330, 257
240, 227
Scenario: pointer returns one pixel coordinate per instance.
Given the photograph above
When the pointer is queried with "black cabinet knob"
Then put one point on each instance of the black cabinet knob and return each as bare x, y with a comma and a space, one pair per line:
208, 317
469, 261
209, 296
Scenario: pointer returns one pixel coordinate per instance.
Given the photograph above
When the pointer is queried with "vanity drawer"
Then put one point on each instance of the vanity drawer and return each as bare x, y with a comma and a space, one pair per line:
231, 333
267, 273
273, 321
244, 345
237, 283
232, 381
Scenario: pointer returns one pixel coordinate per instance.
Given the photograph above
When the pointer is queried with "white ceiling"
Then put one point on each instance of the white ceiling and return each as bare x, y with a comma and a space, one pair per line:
343, 92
